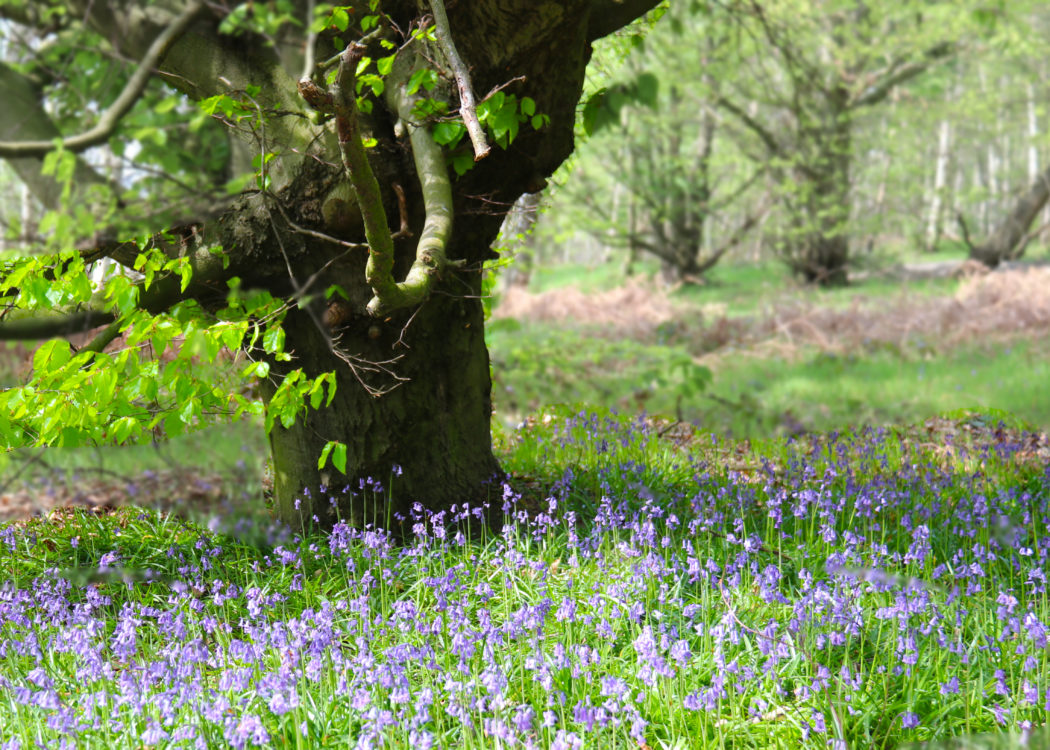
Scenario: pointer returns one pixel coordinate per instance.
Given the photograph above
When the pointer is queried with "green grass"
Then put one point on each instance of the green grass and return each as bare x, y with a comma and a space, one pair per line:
588, 278
825, 392
751, 396
643, 592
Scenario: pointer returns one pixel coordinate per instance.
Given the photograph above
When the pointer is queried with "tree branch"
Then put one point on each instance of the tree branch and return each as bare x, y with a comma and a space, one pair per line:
459, 70
107, 123
380, 265
734, 239
53, 326
437, 202
770, 141
103, 338
608, 16
23, 115
898, 73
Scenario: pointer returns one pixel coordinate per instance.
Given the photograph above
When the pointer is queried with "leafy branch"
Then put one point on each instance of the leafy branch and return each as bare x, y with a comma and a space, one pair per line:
109, 120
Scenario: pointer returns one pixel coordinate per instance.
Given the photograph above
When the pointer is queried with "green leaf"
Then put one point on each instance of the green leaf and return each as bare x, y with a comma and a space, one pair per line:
448, 133
462, 163
422, 78
317, 394
189, 410
325, 452
330, 377
647, 89
105, 381
258, 369
51, 356
340, 19
528, 106
121, 429
374, 82
166, 105
385, 64
336, 290
339, 457
591, 111
273, 339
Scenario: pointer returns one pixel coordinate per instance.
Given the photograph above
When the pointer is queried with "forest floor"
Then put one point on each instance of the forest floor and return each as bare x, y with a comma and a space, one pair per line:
784, 359
628, 332
1014, 301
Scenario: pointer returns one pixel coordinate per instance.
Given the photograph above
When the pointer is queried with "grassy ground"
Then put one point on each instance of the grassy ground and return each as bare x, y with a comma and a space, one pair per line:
652, 588
762, 382
745, 288
754, 396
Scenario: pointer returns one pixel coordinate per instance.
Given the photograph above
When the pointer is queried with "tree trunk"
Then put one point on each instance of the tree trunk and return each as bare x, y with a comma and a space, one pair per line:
1008, 240
1033, 136
412, 404
426, 441
516, 239
821, 255
933, 222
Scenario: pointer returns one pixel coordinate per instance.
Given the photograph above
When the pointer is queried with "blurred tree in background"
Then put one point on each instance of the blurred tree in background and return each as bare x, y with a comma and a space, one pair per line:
828, 130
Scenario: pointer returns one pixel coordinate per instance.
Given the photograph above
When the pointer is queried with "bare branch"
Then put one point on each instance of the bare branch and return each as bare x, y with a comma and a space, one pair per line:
109, 120
752, 124
466, 94
899, 72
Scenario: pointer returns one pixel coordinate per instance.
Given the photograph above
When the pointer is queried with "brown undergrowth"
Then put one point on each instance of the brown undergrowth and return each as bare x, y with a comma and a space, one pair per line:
993, 305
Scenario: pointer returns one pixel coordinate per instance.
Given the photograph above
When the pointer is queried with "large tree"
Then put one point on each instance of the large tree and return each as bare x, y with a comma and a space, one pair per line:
654, 181
347, 267
806, 74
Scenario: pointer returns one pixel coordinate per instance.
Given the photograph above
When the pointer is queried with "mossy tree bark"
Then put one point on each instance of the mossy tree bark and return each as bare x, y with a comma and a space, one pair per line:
427, 440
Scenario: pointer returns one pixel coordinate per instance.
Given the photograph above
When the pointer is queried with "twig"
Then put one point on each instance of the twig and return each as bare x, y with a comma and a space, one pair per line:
466, 94
107, 123
315, 234
402, 209
355, 363
505, 84
404, 329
